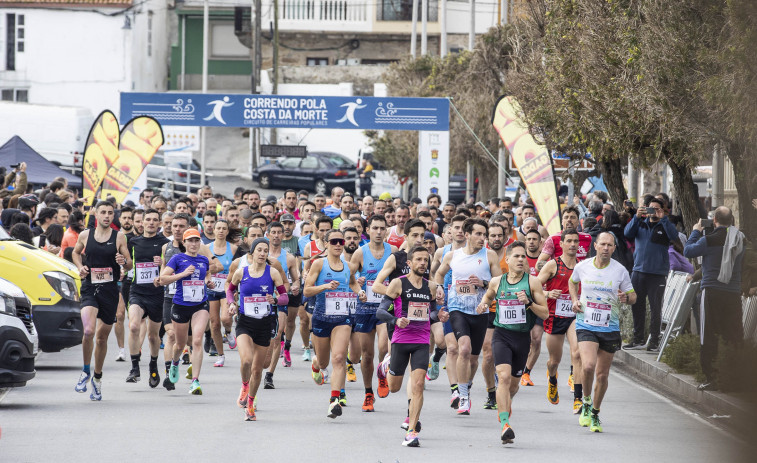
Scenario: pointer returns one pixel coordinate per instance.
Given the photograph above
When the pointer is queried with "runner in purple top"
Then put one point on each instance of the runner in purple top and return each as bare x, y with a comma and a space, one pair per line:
414, 308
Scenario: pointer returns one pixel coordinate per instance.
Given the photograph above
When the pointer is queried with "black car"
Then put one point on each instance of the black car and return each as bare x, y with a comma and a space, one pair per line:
457, 184
319, 172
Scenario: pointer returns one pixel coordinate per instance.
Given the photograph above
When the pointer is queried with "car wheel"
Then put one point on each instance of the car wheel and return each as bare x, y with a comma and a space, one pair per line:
265, 181
321, 187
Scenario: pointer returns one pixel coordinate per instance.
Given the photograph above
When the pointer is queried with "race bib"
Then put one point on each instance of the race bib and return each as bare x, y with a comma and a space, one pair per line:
417, 311
373, 298
219, 281
511, 312
465, 287
172, 289
564, 306
101, 275
256, 306
193, 290
340, 303
597, 314
146, 272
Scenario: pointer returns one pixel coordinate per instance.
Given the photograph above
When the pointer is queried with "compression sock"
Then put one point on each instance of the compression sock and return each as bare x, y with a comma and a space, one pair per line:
85, 369
578, 391
154, 362
553, 380
135, 361
438, 353
504, 417
463, 389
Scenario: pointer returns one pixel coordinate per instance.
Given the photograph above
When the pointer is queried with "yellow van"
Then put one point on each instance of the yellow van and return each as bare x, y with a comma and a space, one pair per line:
53, 286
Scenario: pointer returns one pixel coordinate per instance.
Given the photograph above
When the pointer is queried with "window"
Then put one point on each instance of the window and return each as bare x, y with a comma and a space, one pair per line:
309, 163
317, 61
290, 163
149, 33
402, 10
224, 43
20, 95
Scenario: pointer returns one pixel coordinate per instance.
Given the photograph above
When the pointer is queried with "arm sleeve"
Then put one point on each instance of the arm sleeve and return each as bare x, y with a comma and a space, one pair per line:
382, 313
283, 298
433, 311
230, 292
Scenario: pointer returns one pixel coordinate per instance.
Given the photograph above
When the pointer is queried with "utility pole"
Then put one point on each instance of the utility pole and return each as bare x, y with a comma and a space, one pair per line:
443, 25
274, 138
257, 62
424, 27
205, 39
413, 38
472, 33
502, 155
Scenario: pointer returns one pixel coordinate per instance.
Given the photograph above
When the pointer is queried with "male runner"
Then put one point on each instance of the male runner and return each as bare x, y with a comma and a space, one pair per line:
552, 248
533, 245
605, 285
395, 237
106, 256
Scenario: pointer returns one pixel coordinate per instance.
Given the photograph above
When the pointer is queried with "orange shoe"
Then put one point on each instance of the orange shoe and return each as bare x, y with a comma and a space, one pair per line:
570, 383
249, 411
368, 402
383, 388
242, 400
507, 436
525, 380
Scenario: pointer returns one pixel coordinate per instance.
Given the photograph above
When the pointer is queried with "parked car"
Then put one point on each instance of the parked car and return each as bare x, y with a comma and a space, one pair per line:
319, 172
457, 186
168, 175
18, 337
52, 285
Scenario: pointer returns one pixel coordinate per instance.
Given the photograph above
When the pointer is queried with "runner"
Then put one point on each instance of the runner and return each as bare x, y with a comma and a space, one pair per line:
533, 245
519, 300
351, 245
257, 322
369, 260
496, 239
189, 270
224, 250
437, 344
414, 303
292, 275
106, 257
314, 250
472, 268
330, 281
605, 285
395, 237
554, 277
146, 296
552, 248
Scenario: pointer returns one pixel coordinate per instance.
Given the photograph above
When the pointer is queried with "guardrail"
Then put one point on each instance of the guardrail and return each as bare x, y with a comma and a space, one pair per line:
749, 312
676, 306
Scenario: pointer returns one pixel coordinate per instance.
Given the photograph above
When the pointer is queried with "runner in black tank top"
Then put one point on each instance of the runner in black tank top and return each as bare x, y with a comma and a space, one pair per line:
106, 256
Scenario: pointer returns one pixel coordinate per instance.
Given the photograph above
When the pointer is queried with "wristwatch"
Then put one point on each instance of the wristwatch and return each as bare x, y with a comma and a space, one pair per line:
486, 283
529, 303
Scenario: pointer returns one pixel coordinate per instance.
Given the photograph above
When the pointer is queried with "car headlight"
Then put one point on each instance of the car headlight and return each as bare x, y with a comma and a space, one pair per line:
63, 284
7, 304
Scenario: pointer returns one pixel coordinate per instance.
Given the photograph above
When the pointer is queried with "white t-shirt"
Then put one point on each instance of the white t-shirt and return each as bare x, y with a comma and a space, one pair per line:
599, 294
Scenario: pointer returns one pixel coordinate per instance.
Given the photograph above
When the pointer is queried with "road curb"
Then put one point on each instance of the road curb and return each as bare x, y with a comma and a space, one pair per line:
644, 365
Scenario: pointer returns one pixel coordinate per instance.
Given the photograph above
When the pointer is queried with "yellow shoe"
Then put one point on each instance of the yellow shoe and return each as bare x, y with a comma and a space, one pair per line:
570, 382
189, 372
351, 376
577, 406
552, 395
525, 380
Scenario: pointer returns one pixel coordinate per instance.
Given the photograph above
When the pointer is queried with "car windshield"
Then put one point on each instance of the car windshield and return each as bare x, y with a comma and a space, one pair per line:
3, 234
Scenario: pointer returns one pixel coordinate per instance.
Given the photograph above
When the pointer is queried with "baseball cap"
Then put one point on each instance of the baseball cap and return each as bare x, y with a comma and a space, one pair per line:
428, 236
480, 204
191, 233
271, 199
27, 201
287, 218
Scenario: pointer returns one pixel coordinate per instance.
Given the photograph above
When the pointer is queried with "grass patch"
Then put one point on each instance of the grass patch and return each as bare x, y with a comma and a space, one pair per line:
682, 355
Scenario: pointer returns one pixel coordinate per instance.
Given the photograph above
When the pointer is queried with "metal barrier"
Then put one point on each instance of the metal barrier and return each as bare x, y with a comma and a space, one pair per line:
677, 301
749, 320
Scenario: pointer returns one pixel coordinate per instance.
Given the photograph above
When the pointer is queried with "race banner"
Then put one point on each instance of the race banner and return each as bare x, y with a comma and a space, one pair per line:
140, 140
100, 152
532, 160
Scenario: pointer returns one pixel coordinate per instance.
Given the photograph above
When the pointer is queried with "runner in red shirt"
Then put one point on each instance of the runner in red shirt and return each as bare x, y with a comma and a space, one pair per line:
552, 248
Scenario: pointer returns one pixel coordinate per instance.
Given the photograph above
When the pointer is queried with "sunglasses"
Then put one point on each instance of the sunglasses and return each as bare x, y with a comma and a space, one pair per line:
337, 241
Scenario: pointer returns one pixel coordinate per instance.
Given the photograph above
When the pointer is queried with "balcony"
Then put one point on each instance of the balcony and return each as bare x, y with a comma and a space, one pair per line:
323, 15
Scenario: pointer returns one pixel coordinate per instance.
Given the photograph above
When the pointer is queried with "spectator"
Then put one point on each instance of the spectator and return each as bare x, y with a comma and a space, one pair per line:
652, 235
75, 226
366, 178
612, 223
28, 205
678, 262
53, 238
47, 217
722, 252
22, 232
15, 182
64, 210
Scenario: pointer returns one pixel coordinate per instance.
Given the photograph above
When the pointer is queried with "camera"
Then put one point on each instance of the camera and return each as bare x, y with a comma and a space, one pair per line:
707, 223
651, 211
16, 165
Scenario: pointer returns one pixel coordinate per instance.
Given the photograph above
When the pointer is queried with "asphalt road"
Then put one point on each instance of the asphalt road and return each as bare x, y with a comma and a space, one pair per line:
48, 421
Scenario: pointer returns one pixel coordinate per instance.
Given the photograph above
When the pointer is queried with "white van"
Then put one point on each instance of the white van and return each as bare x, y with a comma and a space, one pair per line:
18, 337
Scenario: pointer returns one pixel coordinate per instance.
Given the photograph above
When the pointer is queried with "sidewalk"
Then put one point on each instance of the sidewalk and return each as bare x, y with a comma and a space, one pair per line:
730, 410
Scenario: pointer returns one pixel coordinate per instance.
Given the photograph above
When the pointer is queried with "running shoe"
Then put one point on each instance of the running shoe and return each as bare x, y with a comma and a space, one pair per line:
351, 376
491, 403
268, 382
154, 377
173, 373
249, 412
368, 402
596, 424
281, 350
168, 384
343, 399
97, 393
454, 400
571, 385
406, 425
318, 377
134, 376
525, 380
464, 407
334, 409
189, 372
382, 369
242, 400
433, 371
383, 388
508, 435
552, 395
411, 440
232, 338
81, 385
306, 355
208, 342
185, 357
584, 419
287, 359
213, 351
225, 340
220, 361
577, 406
195, 388
121, 357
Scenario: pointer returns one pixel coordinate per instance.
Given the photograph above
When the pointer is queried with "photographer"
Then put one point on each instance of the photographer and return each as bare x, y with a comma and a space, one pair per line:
15, 182
722, 252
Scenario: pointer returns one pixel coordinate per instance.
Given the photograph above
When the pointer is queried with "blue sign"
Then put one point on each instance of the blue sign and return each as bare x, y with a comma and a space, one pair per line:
310, 112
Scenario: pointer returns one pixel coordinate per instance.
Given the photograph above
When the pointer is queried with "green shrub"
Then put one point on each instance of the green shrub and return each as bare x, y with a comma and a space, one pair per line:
682, 355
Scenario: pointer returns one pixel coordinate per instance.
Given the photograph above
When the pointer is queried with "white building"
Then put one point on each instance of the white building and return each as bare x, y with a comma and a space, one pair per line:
82, 52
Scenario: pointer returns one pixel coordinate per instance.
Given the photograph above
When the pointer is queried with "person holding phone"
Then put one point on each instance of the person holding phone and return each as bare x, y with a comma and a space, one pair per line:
653, 233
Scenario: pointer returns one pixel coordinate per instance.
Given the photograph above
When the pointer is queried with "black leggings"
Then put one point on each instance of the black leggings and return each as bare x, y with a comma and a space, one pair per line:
647, 285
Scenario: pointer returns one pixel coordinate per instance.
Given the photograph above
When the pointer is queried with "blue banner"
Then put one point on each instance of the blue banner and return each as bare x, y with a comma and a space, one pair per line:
310, 112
